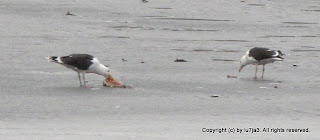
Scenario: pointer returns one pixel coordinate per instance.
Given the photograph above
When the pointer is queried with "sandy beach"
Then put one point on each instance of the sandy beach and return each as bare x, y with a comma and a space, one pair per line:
170, 100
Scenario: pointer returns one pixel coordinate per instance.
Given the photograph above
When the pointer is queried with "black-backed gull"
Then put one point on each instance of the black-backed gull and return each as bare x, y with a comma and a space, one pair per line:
260, 56
81, 63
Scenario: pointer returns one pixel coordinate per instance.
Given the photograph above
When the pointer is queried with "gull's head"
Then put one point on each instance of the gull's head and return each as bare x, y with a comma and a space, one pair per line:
105, 70
243, 62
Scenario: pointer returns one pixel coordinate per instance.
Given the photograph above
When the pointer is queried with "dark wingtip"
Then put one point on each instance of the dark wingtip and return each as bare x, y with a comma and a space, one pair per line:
280, 53
52, 58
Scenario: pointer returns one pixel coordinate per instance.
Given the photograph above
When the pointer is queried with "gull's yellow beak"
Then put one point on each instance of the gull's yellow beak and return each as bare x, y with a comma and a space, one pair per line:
110, 77
241, 68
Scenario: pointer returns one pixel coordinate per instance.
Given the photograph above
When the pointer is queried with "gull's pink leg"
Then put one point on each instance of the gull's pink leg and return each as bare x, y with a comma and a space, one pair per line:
79, 79
255, 74
84, 80
262, 71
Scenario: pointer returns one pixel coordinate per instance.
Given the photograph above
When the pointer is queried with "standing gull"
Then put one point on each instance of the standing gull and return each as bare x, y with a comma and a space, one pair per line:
81, 63
260, 56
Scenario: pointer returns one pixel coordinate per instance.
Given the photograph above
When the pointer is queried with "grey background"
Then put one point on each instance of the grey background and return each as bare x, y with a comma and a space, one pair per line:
42, 100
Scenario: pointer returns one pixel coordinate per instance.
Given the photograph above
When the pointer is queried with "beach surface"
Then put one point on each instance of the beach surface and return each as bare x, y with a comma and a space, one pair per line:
169, 100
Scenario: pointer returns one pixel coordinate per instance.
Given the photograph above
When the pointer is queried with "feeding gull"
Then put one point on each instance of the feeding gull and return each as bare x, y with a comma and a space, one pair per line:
260, 56
82, 64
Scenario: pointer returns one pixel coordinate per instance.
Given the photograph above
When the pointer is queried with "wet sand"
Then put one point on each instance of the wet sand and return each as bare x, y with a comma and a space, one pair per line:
42, 100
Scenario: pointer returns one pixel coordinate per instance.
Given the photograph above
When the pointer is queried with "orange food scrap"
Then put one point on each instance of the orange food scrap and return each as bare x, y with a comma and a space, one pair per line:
113, 82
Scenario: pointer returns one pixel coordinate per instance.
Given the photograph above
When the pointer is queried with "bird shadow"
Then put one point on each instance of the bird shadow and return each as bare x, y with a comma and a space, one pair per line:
77, 88
260, 80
